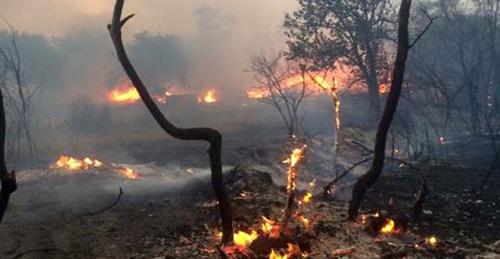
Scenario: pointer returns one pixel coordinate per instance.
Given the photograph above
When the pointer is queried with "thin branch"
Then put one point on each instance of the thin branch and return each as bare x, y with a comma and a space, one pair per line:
329, 186
419, 36
36, 250
108, 207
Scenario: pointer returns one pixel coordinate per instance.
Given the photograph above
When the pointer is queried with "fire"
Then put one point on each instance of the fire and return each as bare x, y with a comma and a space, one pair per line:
431, 241
307, 198
258, 93
127, 172
384, 89
244, 239
74, 164
292, 251
389, 227
294, 159
270, 227
209, 97
124, 94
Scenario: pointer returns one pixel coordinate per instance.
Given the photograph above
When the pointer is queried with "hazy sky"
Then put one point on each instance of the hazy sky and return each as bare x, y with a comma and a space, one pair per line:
54, 17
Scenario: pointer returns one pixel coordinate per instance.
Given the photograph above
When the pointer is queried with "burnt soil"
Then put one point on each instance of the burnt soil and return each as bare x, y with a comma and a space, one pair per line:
183, 222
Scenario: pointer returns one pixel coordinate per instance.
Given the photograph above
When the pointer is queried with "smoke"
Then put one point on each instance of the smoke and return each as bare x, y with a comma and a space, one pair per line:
193, 43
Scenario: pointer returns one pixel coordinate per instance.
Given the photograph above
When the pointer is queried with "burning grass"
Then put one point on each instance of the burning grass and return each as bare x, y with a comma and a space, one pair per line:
72, 164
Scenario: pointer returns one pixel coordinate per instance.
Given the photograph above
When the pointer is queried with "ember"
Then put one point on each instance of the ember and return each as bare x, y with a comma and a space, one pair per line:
389, 227
431, 241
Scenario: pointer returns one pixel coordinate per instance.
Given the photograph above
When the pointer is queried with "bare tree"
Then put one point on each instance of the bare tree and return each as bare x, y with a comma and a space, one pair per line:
273, 75
18, 96
403, 47
213, 137
454, 72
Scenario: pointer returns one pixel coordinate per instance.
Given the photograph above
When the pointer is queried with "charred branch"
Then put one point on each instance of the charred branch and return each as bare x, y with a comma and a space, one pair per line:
212, 136
112, 205
367, 180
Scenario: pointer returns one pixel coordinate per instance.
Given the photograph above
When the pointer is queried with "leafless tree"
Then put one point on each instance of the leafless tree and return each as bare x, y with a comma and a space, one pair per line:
275, 89
213, 137
18, 97
455, 73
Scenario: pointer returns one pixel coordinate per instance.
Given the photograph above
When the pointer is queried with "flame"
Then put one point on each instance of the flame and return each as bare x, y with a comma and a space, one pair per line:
124, 94
389, 227
258, 93
127, 172
244, 239
431, 241
270, 227
307, 198
305, 221
73, 164
384, 89
293, 161
292, 250
209, 97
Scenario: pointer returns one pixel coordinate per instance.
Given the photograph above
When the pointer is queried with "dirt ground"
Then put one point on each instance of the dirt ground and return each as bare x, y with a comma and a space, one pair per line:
181, 220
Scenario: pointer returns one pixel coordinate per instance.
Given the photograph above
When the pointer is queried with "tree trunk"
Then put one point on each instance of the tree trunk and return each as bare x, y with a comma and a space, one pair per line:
213, 137
367, 180
8, 181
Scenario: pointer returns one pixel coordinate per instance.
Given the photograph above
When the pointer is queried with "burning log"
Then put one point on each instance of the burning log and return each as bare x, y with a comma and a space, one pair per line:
293, 168
213, 137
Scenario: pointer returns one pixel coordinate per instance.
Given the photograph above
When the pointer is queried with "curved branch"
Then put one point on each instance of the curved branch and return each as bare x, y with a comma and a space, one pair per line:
213, 137
112, 205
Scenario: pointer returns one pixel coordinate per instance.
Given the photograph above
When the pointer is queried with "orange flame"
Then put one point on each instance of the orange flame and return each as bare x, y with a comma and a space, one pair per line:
384, 89
258, 93
127, 172
389, 227
124, 94
74, 164
431, 241
209, 97
244, 239
307, 198
292, 251
293, 161
270, 227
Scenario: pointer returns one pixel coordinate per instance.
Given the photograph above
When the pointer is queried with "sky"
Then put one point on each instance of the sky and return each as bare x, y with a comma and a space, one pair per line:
56, 17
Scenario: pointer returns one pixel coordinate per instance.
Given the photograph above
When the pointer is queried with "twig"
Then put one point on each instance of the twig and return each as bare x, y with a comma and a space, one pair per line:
108, 207
419, 36
45, 250
342, 175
